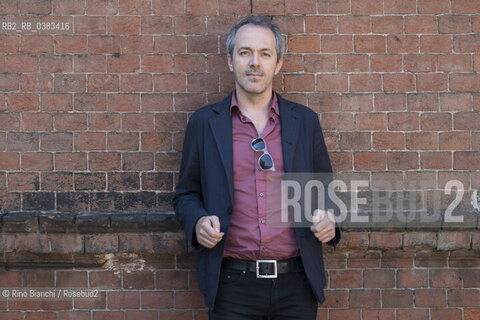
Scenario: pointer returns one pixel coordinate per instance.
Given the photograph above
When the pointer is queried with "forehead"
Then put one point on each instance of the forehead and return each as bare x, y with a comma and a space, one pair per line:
253, 36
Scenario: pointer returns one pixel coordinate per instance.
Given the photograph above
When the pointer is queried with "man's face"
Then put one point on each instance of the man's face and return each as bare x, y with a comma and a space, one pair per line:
254, 60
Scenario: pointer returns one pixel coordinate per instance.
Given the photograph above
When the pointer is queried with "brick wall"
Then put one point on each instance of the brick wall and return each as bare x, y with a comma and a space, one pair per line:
92, 117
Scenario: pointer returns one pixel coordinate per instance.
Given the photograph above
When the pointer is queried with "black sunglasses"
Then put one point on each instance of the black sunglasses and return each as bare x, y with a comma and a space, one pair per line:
265, 161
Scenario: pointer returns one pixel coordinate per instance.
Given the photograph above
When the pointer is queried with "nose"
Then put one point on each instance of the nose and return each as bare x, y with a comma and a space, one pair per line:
254, 60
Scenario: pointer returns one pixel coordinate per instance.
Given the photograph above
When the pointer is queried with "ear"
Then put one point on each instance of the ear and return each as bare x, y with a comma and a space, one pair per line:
279, 66
229, 61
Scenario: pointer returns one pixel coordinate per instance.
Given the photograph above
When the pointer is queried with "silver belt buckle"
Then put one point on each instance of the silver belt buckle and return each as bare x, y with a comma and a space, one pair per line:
274, 275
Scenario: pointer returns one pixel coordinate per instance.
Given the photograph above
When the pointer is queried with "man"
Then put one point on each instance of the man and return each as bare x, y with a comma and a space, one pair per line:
221, 192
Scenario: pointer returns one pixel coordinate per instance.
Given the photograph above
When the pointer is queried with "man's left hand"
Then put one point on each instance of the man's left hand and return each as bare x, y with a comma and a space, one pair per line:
323, 225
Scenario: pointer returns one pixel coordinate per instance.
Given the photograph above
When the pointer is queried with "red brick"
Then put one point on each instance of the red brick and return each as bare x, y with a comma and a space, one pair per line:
436, 121
123, 25
386, 63
370, 121
434, 82
454, 141
430, 298
37, 44
123, 299
403, 7
402, 121
71, 161
402, 43
420, 63
444, 278
22, 101
299, 82
173, 82
71, 121
157, 299
156, 25
466, 121
265, 7
464, 6
88, 141
36, 82
429, 6
446, 314
454, 63
137, 122
388, 140
241, 7
124, 102
435, 43
367, 7
422, 141
364, 298
90, 181
319, 63
105, 279
156, 141
365, 82
304, 43
124, 141
332, 82
134, 7
421, 24
370, 161
37, 161
465, 82
40, 316
69, 83
453, 24
387, 24
56, 102
370, 43
398, 82
337, 43
375, 314
104, 161
56, 63
21, 63
341, 160
102, 82
397, 298
354, 24
103, 44
320, 24
353, 63
158, 102
74, 315
37, 122
453, 240
415, 278
402, 160
90, 25
472, 313
70, 44
108, 315
463, 297
355, 141
136, 83
167, 7
137, 44
475, 23
422, 102
466, 43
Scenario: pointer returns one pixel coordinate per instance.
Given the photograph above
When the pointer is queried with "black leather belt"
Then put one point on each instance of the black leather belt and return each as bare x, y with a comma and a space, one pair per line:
264, 268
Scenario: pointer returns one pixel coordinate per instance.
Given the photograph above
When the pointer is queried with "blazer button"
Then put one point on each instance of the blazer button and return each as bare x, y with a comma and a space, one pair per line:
229, 210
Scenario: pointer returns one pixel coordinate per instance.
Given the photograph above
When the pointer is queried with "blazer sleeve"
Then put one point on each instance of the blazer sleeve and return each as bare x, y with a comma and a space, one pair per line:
321, 164
187, 201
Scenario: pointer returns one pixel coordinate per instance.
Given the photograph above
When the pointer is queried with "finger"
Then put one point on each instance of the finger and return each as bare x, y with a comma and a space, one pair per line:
325, 235
215, 223
318, 215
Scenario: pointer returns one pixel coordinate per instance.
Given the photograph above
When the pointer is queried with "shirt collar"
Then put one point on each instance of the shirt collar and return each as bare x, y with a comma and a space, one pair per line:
273, 104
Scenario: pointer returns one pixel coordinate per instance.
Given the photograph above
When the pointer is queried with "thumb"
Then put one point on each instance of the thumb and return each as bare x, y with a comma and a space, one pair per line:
318, 215
215, 223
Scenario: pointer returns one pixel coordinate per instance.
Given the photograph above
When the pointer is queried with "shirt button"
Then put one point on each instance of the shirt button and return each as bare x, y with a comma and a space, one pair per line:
261, 194
264, 248
263, 221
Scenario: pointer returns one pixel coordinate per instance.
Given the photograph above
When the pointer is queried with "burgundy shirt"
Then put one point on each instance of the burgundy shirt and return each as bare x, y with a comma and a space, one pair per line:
251, 234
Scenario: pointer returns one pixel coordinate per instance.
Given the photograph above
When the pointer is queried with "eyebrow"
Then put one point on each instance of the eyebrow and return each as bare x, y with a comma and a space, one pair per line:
248, 48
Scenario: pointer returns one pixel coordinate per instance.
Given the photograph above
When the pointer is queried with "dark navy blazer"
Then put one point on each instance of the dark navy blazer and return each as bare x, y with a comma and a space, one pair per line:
205, 185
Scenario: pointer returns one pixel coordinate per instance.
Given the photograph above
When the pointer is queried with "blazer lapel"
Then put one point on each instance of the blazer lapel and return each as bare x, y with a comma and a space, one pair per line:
221, 126
290, 125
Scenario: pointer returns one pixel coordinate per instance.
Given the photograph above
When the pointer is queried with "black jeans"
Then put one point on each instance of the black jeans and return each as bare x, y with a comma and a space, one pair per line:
241, 296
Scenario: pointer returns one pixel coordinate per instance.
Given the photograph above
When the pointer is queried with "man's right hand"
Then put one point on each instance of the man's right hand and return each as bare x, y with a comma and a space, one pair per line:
208, 232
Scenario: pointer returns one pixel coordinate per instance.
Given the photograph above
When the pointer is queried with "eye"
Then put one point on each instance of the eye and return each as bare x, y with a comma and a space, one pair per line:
266, 54
243, 53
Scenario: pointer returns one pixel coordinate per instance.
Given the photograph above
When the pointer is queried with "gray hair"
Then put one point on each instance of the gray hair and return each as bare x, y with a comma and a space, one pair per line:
261, 21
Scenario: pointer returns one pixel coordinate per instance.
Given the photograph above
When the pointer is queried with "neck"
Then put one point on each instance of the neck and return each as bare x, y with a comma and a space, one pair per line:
254, 102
